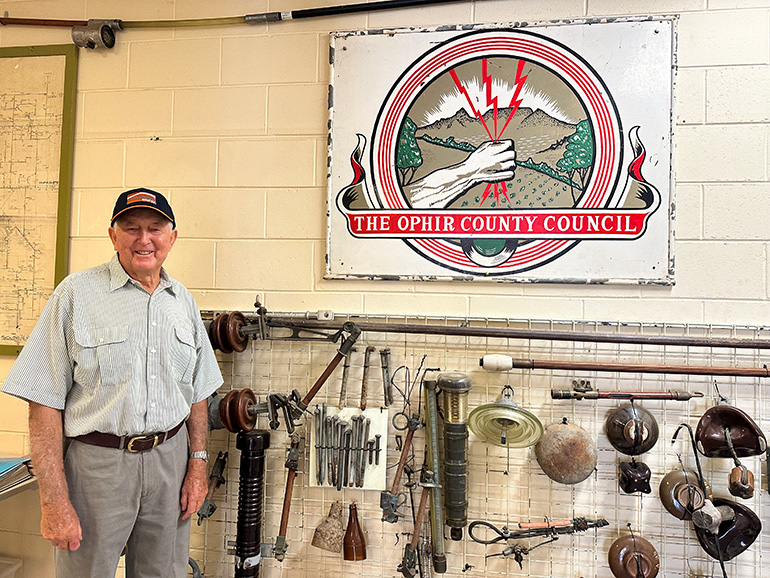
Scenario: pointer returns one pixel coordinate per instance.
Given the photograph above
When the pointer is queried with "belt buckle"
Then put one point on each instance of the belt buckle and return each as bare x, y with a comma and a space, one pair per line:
130, 446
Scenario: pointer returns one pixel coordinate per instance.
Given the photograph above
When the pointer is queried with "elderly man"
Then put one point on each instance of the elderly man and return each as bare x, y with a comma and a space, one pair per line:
117, 364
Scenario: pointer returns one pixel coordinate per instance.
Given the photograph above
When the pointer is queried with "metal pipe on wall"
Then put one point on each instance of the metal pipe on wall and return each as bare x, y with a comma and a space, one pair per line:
234, 20
277, 320
296, 324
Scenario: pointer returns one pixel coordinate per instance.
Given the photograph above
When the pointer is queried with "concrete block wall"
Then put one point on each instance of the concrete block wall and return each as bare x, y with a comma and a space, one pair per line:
231, 123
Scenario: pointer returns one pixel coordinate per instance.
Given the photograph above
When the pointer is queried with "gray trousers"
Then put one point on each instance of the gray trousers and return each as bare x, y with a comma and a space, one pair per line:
127, 500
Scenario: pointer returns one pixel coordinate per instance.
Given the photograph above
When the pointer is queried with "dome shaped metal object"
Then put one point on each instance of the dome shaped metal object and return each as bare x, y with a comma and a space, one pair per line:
746, 437
680, 493
735, 535
566, 453
630, 554
504, 424
632, 430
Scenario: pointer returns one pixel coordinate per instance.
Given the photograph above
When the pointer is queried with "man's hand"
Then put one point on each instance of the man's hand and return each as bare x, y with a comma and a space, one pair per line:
194, 489
492, 162
195, 485
60, 525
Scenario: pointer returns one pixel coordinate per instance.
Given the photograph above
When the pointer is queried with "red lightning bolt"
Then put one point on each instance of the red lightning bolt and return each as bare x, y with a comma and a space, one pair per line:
515, 100
492, 101
487, 82
464, 92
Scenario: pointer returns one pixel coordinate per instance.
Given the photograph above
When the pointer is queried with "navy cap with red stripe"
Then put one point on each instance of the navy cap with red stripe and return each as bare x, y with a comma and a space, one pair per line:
142, 199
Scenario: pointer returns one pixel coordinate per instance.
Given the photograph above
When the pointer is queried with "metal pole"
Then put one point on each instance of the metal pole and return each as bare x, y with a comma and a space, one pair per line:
295, 323
274, 320
234, 20
640, 368
436, 501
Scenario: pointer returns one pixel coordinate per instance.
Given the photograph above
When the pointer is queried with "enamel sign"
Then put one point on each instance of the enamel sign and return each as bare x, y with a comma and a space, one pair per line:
512, 154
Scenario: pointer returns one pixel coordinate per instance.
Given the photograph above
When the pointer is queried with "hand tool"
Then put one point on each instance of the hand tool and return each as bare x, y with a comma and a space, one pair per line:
391, 500
324, 444
410, 558
581, 389
216, 479
344, 382
318, 425
387, 386
478, 531
344, 477
333, 457
362, 460
365, 379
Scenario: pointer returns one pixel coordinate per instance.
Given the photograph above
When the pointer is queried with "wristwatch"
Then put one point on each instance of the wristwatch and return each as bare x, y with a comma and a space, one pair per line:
200, 455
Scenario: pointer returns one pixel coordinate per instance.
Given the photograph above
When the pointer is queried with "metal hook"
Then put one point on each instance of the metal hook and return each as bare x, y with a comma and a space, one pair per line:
701, 481
721, 398
637, 555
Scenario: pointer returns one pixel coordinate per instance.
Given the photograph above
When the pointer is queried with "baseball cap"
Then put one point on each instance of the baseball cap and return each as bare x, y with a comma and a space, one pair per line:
142, 199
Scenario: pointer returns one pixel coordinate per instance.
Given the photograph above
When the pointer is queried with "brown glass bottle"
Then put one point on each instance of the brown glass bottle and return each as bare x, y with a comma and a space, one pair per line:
354, 544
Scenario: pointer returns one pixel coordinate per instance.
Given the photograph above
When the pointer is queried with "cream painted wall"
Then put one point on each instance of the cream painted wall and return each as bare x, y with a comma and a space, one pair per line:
230, 122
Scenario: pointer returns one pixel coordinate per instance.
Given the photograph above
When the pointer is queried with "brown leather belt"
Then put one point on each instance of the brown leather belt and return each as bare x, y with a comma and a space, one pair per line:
133, 444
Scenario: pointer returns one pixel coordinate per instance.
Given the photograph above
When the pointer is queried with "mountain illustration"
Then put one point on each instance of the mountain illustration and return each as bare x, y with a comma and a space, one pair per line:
540, 141
537, 135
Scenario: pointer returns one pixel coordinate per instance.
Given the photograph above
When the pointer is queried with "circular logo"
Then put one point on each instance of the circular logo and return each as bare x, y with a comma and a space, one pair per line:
495, 120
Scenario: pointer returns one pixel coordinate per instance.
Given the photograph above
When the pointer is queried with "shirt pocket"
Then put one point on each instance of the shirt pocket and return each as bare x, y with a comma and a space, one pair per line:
105, 356
183, 358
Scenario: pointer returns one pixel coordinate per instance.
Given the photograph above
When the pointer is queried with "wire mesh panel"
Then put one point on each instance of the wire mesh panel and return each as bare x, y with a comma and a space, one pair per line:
506, 485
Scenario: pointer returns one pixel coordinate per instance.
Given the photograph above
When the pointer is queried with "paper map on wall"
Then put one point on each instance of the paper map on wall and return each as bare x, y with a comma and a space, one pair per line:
31, 110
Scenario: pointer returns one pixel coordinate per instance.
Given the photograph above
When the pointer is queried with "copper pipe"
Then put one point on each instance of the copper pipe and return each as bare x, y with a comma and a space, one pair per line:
554, 524
402, 461
321, 380
420, 516
279, 551
640, 368
287, 502
42, 22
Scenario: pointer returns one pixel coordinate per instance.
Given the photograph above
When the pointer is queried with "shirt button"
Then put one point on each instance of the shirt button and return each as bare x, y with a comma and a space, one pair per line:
152, 404
154, 323
152, 377
101, 340
152, 350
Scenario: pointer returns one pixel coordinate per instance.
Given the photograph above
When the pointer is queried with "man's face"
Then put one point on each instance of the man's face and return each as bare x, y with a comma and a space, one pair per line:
143, 239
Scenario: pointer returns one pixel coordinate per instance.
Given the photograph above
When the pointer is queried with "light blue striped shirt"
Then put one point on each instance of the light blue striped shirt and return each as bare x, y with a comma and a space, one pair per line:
115, 358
